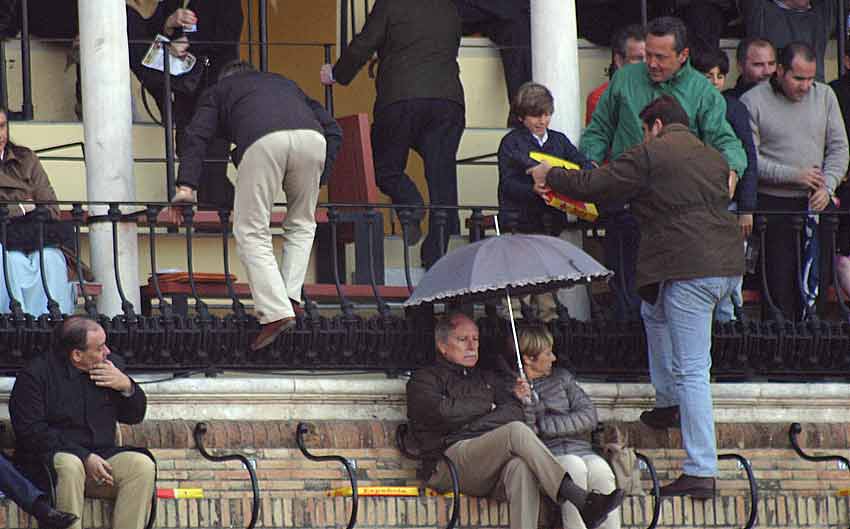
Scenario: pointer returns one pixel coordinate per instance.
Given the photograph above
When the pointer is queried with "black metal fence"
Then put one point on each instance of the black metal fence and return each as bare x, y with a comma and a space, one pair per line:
373, 332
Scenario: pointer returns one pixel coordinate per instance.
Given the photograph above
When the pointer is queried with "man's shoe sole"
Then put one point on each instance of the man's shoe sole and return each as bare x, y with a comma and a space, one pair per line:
697, 494
268, 340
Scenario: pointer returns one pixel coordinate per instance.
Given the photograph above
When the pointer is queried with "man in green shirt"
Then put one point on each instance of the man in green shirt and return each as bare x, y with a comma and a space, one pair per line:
616, 127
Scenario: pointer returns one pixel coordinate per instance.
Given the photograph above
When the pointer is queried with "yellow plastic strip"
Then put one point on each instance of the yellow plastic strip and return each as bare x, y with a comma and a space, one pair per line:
376, 491
180, 493
432, 492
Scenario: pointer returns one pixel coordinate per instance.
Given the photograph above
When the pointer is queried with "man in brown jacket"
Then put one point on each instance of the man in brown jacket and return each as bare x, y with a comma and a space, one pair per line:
477, 419
690, 257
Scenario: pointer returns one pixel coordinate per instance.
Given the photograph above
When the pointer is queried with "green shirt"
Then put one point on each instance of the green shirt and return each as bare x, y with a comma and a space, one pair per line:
616, 127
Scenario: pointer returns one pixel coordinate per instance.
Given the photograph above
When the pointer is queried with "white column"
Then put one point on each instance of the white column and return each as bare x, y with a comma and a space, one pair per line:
554, 51
108, 128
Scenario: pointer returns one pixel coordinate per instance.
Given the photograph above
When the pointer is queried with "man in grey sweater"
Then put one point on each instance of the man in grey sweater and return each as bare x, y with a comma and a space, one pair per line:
802, 152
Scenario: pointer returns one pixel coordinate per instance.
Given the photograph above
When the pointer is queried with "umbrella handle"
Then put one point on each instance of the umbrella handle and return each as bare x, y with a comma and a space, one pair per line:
511, 312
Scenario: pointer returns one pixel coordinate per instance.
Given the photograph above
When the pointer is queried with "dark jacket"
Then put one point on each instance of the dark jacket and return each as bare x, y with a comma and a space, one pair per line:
417, 43
563, 416
841, 87
246, 106
739, 89
678, 189
22, 178
219, 28
516, 189
739, 117
781, 26
55, 407
447, 403
483, 11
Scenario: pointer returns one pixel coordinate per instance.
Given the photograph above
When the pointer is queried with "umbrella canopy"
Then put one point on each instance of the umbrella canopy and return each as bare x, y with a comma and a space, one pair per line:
523, 264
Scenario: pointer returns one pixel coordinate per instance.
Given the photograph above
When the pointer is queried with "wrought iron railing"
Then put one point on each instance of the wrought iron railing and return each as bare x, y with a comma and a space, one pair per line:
345, 326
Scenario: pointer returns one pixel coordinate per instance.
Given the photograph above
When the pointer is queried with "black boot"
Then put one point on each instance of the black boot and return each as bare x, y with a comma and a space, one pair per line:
598, 506
661, 418
50, 518
693, 486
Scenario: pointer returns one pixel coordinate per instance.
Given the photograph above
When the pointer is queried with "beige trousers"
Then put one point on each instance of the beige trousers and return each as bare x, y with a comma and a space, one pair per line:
591, 473
509, 463
133, 474
292, 160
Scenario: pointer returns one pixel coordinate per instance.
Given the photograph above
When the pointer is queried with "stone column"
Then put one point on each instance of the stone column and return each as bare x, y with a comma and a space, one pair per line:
108, 128
554, 33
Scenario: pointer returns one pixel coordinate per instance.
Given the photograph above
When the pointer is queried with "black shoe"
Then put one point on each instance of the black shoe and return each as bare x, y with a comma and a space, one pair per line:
693, 486
598, 506
53, 519
412, 229
661, 418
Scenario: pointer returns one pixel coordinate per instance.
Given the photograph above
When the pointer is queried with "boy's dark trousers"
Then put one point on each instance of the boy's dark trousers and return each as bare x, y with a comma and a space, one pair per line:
621, 242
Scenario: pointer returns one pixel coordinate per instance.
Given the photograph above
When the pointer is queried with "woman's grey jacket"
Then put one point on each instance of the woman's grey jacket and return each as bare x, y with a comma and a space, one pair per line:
563, 416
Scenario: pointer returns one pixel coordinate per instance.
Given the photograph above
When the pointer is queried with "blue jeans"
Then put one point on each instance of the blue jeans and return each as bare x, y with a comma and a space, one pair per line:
17, 487
678, 337
725, 310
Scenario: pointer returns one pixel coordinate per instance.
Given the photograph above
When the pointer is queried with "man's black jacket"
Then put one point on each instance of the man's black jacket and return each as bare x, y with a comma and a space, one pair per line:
55, 407
246, 106
417, 42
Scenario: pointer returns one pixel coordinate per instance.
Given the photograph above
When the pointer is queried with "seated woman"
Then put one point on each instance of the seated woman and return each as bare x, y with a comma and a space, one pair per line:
22, 178
563, 416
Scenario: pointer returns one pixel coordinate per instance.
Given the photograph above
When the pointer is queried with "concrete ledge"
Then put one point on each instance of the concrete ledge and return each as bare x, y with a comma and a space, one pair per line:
344, 396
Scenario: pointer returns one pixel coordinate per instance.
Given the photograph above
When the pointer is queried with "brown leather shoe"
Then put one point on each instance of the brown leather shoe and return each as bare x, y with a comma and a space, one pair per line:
272, 330
693, 486
661, 418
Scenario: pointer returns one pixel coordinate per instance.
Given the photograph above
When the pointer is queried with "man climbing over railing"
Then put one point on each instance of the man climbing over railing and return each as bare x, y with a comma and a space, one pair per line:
284, 140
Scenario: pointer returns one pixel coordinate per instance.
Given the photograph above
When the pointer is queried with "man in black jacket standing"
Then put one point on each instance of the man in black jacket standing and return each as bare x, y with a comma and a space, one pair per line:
478, 421
284, 140
65, 406
419, 104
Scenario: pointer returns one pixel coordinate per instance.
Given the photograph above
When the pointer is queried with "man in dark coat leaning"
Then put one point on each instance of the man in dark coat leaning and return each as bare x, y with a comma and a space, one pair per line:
477, 419
64, 408
284, 140
690, 257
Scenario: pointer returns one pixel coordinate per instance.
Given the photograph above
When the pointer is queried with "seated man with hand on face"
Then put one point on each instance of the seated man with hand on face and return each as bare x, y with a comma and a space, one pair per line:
64, 409
477, 419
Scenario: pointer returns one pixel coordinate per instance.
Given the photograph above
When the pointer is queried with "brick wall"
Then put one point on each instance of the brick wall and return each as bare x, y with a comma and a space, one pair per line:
793, 492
